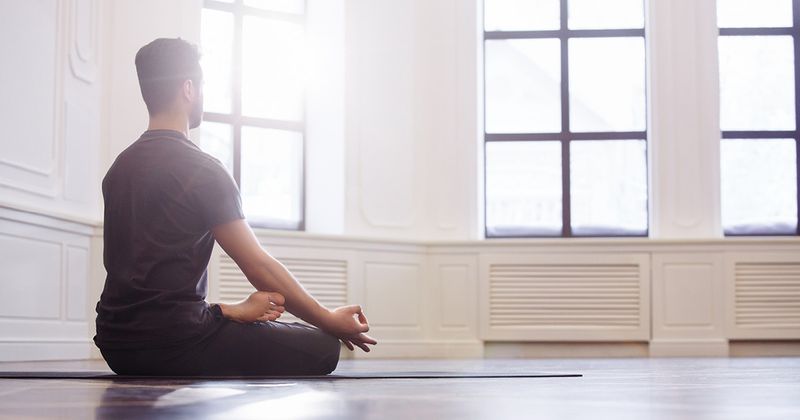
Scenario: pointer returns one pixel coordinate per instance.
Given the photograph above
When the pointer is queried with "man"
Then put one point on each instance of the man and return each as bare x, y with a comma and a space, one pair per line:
166, 202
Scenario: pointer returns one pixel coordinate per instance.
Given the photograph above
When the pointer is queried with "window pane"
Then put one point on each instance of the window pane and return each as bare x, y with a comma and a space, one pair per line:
217, 59
287, 6
273, 72
521, 15
608, 187
216, 139
523, 188
523, 86
753, 14
607, 84
272, 176
606, 14
756, 83
759, 186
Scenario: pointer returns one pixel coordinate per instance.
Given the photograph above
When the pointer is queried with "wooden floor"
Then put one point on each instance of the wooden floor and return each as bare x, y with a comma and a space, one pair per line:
735, 388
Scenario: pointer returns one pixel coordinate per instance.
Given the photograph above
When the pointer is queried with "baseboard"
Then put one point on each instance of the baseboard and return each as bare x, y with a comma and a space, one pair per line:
21, 351
562, 350
689, 348
423, 350
763, 348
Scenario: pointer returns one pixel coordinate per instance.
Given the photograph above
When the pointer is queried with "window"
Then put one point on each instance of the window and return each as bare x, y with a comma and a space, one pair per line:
565, 118
758, 56
253, 59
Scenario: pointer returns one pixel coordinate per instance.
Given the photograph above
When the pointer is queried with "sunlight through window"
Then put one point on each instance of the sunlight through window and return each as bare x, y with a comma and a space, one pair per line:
254, 62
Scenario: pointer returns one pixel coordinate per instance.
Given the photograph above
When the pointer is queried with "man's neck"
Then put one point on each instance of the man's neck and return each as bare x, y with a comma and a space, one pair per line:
177, 123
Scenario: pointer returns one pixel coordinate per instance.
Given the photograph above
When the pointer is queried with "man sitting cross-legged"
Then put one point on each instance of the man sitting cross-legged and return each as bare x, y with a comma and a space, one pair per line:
166, 202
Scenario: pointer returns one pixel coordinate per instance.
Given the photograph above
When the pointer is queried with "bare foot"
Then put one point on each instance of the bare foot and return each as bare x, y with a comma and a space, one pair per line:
259, 306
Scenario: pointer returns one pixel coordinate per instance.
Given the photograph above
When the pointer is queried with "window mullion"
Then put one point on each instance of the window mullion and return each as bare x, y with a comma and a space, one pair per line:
566, 202
795, 32
237, 92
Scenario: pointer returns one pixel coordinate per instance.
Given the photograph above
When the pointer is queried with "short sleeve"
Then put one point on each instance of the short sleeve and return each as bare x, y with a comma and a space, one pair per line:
217, 195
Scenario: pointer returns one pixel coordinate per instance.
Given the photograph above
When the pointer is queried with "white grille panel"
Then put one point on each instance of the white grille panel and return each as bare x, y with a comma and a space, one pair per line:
564, 295
326, 280
767, 295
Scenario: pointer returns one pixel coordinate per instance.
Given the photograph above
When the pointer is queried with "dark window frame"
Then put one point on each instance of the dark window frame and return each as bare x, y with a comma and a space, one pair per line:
565, 136
794, 32
236, 119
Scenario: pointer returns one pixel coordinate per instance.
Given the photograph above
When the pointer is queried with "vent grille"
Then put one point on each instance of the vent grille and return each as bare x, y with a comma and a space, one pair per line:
326, 280
564, 295
767, 295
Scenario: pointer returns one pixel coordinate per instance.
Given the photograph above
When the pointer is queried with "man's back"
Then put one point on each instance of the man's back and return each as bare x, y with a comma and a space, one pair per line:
162, 195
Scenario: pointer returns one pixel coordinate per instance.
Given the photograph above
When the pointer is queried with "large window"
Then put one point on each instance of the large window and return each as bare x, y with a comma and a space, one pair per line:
253, 59
758, 56
565, 118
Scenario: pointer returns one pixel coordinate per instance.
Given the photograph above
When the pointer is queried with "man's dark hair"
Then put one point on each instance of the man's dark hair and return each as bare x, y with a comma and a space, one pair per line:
162, 66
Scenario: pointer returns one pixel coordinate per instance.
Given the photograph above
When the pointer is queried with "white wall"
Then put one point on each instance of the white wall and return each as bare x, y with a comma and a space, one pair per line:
325, 117
412, 119
129, 25
50, 164
684, 141
50, 107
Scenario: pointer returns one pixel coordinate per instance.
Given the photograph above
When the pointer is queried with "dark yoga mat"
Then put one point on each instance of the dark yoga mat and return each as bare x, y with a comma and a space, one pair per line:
354, 375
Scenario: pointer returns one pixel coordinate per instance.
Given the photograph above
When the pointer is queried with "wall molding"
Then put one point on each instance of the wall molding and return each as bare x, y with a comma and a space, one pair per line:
25, 350
562, 350
452, 274
689, 347
447, 275
83, 51
46, 178
473, 245
44, 287
49, 219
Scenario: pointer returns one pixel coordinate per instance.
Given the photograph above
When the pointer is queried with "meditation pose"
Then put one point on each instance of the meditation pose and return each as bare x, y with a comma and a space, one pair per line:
166, 202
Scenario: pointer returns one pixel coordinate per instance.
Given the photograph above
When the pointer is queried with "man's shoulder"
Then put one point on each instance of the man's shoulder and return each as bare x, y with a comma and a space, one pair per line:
156, 155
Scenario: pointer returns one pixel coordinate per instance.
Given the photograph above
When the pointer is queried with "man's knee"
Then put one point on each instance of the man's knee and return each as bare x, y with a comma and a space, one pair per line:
330, 353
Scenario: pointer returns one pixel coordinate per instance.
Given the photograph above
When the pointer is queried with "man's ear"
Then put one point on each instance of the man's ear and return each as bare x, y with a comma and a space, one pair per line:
188, 90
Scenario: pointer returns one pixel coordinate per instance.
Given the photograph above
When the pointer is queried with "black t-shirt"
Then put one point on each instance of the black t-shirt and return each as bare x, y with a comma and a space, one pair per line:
162, 197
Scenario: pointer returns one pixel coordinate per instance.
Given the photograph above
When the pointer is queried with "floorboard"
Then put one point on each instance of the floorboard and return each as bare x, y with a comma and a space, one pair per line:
676, 388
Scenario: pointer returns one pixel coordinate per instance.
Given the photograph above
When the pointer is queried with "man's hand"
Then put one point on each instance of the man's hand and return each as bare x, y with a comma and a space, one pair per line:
259, 306
349, 324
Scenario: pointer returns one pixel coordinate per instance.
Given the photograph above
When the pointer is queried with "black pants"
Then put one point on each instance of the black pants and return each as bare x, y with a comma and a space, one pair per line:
234, 349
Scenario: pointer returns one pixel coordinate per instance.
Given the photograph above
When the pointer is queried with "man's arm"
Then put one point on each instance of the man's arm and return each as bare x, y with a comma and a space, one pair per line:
265, 273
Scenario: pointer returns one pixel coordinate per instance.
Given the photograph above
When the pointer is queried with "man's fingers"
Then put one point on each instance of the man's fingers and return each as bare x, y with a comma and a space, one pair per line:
362, 319
348, 344
367, 339
359, 341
